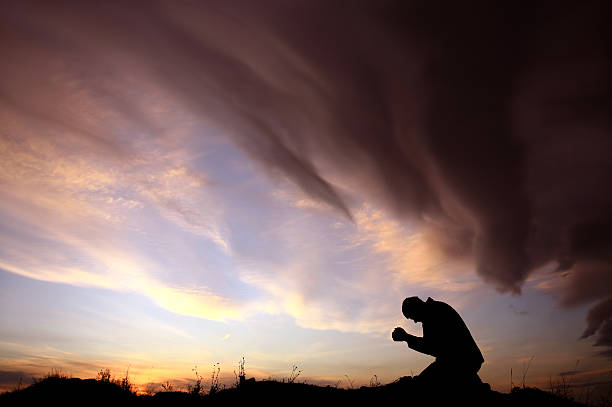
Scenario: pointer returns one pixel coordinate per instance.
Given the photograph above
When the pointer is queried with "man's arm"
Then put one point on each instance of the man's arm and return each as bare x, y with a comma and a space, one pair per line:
420, 345
414, 342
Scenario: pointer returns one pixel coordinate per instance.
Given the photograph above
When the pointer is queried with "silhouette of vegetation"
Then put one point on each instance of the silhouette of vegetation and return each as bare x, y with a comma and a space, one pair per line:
19, 384
55, 374
565, 388
525, 370
436, 388
350, 382
104, 375
214, 379
124, 382
196, 389
241, 375
295, 372
56, 388
374, 382
167, 386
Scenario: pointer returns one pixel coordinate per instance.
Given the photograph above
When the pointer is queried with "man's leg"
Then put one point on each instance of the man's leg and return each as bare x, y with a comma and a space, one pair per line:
448, 374
431, 374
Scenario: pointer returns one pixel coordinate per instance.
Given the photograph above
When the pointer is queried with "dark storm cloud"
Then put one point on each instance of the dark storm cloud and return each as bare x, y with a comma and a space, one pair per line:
600, 320
489, 123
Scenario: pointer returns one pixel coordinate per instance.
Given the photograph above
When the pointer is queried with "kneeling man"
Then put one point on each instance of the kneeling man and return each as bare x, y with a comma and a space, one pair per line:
446, 337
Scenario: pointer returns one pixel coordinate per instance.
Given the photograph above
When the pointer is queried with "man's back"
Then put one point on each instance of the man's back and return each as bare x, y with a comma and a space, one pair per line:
448, 336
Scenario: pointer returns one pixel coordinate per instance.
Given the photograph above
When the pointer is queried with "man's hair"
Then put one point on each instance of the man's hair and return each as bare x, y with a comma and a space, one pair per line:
411, 304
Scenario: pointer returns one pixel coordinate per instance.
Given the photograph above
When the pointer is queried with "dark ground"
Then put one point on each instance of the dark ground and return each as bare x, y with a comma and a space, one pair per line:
67, 391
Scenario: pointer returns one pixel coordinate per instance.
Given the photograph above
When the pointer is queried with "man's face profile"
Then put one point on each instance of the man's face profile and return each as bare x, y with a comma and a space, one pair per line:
411, 308
412, 315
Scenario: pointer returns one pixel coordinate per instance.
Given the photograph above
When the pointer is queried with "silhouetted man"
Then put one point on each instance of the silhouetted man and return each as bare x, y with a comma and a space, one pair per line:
446, 337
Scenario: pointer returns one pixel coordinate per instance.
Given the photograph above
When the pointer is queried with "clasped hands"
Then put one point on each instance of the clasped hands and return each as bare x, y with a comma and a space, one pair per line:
399, 335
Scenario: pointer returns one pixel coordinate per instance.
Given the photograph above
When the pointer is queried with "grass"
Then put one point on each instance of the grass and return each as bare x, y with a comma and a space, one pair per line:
104, 375
565, 388
55, 374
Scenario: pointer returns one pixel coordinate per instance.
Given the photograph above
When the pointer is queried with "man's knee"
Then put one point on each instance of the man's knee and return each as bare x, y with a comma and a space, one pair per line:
450, 372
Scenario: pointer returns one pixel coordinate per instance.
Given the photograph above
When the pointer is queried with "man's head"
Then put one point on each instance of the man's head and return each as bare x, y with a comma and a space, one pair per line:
413, 308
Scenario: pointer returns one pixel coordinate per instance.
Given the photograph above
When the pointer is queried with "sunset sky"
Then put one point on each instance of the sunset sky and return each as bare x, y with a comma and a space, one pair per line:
187, 183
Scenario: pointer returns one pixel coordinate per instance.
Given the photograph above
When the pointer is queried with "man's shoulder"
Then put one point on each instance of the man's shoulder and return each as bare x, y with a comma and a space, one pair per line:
439, 306
434, 303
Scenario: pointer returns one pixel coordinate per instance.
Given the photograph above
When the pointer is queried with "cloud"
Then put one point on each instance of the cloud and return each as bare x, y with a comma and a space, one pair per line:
346, 276
411, 255
489, 127
77, 207
600, 321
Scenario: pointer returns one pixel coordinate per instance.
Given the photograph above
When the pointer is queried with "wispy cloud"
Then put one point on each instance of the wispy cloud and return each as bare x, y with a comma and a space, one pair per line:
81, 204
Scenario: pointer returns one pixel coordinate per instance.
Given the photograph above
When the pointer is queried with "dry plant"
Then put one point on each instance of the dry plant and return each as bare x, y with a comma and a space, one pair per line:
214, 379
563, 387
196, 389
295, 372
124, 382
104, 375
56, 374
19, 385
241, 375
167, 387
523, 379
525, 370
351, 383
560, 388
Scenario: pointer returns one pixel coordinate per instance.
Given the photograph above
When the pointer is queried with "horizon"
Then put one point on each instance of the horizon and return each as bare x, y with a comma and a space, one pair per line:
185, 184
